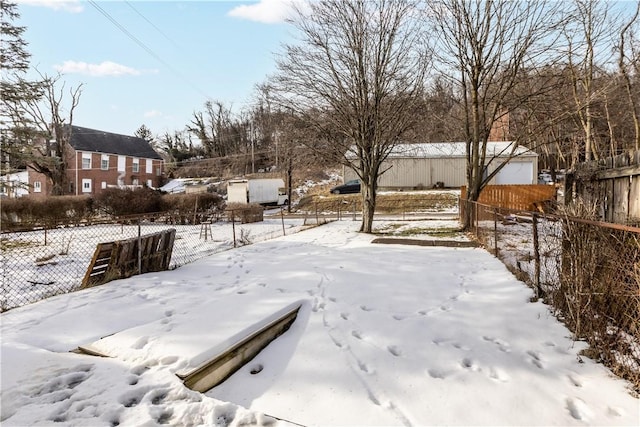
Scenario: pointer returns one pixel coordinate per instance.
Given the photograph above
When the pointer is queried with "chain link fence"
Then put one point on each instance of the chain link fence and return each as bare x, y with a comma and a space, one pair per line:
588, 271
41, 261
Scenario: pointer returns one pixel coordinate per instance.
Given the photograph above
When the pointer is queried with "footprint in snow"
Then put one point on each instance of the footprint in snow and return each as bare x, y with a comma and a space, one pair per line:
367, 369
399, 316
365, 308
578, 409
356, 334
139, 370
345, 316
469, 363
502, 345
536, 358
338, 343
575, 380
437, 373
498, 375
394, 350
460, 346
140, 343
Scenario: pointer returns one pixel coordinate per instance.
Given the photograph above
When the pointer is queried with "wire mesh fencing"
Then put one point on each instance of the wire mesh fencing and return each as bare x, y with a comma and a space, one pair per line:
588, 271
38, 262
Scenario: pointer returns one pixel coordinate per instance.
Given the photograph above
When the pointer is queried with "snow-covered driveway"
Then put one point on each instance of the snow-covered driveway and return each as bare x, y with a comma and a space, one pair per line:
387, 335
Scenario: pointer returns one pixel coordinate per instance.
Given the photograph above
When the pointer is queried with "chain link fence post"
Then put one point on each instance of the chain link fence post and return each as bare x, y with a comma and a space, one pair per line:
495, 231
233, 227
139, 245
284, 233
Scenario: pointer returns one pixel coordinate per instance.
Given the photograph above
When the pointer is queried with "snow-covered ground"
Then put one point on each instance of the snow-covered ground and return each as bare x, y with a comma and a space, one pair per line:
387, 335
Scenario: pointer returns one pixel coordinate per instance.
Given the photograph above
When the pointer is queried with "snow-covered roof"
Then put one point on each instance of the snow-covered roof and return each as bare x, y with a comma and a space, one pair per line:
178, 185
432, 150
455, 149
174, 186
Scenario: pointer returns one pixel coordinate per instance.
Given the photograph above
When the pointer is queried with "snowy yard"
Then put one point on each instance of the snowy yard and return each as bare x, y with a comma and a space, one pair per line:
387, 335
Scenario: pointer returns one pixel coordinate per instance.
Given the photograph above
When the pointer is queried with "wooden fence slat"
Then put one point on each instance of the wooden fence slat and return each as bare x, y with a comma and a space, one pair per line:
119, 259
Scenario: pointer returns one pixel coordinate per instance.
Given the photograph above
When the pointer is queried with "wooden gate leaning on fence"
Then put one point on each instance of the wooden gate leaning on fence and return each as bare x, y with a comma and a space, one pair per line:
125, 258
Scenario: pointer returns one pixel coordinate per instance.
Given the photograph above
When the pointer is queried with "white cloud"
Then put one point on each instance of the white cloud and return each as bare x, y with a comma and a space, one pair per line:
105, 68
265, 11
152, 113
73, 6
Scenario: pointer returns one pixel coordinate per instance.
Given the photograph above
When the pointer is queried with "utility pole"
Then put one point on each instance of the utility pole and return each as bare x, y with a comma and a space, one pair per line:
253, 160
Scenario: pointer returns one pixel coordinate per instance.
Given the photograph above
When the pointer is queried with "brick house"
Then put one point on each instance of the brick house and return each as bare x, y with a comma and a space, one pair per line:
97, 160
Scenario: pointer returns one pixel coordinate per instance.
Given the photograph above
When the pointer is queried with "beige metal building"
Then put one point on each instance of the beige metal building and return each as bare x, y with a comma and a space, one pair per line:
416, 166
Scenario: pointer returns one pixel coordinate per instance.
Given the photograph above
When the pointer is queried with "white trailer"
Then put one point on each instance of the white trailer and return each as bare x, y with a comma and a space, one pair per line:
265, 191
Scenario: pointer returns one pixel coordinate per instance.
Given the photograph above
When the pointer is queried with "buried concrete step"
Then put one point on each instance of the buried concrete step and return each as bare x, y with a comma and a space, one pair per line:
226, 358
422, 242
209, 354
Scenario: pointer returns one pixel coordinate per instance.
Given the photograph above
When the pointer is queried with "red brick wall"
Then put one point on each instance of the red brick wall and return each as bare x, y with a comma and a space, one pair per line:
97, 175
76, 174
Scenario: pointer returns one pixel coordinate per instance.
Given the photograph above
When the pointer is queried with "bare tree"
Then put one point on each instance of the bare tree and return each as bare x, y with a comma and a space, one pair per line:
49, 119
588, 32
355, 77
629, 62
484, 47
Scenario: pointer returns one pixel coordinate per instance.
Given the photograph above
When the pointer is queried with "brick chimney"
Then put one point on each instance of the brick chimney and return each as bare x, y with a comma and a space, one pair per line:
500, 129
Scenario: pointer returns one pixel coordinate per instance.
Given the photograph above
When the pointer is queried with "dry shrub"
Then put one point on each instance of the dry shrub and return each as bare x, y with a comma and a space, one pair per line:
385, 203
599, 292
121, 202
190, 203
188, 208
246, 213
50, 211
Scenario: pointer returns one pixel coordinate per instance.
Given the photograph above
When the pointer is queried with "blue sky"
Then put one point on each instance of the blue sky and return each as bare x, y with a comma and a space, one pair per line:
192, 51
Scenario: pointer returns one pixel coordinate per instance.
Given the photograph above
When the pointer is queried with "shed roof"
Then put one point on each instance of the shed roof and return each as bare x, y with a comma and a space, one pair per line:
85, 139
456, 149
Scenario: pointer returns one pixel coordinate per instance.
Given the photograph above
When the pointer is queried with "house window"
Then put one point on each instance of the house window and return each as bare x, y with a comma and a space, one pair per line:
86, 161
136, 165
149, 166
158, 171
122, 161
86, 185
134, 181
149, 183
37, 187
104, 185
104, 163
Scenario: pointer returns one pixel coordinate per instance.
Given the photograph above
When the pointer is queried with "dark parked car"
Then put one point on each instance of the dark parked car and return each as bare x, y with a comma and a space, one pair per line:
348, 187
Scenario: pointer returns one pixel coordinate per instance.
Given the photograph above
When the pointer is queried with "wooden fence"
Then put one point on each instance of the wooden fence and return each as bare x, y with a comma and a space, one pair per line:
612, 184
515, 197
125, 258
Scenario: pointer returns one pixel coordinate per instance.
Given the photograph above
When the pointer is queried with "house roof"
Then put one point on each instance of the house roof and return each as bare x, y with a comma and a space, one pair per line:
85, 139
456, 149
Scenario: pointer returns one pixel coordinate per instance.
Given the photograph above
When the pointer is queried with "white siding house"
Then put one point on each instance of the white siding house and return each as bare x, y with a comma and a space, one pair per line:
14, 184
414, 166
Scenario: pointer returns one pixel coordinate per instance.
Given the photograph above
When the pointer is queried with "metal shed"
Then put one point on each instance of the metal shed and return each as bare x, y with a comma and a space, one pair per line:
417, 166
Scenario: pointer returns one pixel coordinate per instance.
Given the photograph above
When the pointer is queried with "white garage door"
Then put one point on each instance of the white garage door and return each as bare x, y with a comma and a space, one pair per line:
516, 173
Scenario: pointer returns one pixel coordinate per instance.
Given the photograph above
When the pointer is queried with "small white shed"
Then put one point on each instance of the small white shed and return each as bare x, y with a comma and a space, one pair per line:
415, 166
